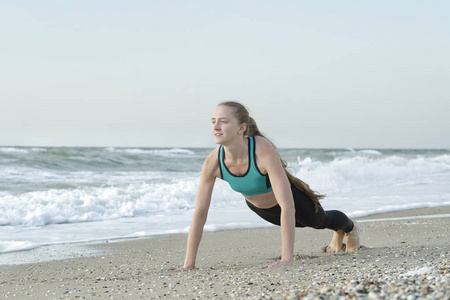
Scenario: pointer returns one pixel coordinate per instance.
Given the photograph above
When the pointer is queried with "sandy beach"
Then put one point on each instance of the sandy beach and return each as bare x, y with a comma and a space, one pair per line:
405, 255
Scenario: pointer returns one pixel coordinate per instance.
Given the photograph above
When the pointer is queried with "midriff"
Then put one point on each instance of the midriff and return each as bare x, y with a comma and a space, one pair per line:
266, 200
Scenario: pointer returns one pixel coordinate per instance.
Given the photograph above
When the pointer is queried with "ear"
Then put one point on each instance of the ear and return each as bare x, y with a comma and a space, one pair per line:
242, 128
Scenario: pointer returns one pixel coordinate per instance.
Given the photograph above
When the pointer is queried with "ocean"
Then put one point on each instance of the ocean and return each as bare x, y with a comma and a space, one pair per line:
75, 195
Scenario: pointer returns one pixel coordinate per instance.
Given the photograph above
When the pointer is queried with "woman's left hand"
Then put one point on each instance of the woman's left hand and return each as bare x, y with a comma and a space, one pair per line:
280, 263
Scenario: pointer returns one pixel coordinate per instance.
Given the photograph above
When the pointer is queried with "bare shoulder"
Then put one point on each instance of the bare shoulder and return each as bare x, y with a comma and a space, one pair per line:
267, 157
264, 148
211, 165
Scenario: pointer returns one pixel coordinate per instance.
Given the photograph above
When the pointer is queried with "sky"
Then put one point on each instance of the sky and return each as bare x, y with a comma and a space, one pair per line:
314, 74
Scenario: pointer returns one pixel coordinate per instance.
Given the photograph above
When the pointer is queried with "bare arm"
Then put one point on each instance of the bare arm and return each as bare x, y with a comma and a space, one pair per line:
207, 179
270, 161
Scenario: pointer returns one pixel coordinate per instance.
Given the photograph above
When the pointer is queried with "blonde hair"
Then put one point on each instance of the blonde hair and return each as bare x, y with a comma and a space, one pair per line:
242, 115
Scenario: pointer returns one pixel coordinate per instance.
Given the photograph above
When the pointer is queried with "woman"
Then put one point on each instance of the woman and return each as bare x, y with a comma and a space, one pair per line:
252, 166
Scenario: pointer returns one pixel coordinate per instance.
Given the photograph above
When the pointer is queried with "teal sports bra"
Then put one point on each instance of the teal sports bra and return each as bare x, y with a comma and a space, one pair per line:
253, 182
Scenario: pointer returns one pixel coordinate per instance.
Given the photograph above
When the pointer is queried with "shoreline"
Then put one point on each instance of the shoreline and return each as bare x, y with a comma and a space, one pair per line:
73, 250
231, 264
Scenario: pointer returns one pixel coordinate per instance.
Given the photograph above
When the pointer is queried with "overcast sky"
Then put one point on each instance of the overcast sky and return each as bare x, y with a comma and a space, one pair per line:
315, 74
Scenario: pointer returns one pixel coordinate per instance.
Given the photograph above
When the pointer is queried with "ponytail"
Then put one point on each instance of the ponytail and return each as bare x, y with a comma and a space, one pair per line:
252, 128
241, 113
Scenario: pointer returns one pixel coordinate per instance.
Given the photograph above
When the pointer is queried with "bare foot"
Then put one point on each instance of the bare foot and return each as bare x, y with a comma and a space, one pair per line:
336, 244
280, 263
352, 239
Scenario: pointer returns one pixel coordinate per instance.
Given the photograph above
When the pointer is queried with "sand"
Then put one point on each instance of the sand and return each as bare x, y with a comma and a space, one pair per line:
403, 257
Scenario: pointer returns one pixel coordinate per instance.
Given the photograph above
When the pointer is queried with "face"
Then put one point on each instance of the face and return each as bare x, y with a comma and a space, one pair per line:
225, 126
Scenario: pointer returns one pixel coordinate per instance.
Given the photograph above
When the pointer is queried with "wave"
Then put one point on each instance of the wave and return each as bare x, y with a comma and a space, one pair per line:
55, 206
13, 246
364, 152
345, 174
88, 152
64, 162
174, 152
11, 150
369, 152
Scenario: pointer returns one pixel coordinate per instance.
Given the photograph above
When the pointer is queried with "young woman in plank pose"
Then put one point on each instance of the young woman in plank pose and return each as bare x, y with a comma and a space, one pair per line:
250, 163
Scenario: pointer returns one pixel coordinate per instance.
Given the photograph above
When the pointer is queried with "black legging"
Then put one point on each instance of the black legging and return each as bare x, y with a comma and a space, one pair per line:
305, 215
